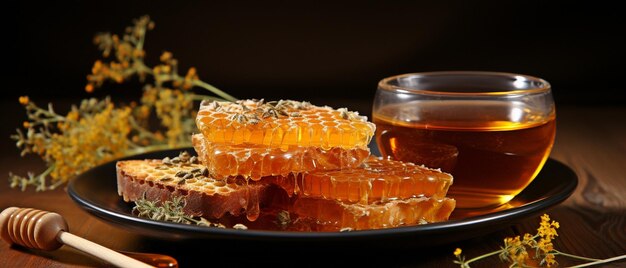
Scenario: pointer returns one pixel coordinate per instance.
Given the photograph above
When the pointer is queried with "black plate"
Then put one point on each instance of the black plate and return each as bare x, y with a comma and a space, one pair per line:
96, 192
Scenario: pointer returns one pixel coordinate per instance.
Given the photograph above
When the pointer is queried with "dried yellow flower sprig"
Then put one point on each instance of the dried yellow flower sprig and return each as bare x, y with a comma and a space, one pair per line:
517, 251
170, 95
128, 60
89, 134
97, 131
170, 210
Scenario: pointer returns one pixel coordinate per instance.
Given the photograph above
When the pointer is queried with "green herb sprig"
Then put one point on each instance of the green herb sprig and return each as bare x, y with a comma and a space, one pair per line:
170, 210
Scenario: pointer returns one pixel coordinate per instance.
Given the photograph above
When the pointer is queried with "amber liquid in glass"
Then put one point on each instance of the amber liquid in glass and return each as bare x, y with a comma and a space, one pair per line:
492, 149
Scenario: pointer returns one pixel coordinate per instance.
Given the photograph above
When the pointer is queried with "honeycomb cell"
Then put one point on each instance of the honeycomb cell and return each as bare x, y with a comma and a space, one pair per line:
256, 161
282, 124
205, 196
374, 180
331, 215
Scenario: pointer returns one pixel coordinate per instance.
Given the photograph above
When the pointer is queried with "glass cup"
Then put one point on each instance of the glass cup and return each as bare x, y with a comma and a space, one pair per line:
492, 131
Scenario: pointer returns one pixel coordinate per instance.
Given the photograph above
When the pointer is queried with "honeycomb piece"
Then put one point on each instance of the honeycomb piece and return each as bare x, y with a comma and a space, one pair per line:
282, 124
256, 161
204, 195
375, 180
333, 215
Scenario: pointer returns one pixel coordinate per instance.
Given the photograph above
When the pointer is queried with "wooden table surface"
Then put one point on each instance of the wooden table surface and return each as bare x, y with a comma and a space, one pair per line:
591, 140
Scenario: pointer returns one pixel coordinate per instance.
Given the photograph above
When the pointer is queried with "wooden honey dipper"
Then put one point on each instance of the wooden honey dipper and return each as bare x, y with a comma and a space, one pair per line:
38, 229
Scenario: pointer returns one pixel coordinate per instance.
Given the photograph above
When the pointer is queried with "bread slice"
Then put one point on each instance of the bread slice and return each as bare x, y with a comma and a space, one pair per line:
204, 196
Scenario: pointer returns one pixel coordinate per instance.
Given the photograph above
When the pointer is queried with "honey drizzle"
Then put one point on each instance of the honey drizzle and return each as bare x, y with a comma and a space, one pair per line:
374, 181
257, 161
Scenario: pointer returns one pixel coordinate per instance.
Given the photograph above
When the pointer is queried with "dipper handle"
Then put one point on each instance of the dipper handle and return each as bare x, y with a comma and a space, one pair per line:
45, 230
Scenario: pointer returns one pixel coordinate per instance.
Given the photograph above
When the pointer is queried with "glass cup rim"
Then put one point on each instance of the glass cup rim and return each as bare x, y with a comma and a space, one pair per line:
543, 87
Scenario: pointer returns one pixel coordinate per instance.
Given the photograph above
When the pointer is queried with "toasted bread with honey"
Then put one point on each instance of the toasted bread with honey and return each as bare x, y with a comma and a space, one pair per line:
204, 196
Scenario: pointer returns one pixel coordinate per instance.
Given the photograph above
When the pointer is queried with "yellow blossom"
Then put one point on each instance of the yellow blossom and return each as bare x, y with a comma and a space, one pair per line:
97, 67
159, 136
23, 100
166, 68
189, 78
545, 245
138, 53
72, 116
172, 106
143, 112
191, 73
549, 260
166, 56
89, 88
156, 70
97, 131
93, 139
521, 257
516, 250
528, 238
547, 229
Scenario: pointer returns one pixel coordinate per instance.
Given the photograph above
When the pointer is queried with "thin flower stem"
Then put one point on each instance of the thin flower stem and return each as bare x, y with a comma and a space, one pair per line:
556, 252
35, 112
130, 72
483, 256
141, 67
47, 121
599, 261
133, 145
42, 179
199, 83
164, 78
199, 97
142, 38
215, 90
56, 184
47, 171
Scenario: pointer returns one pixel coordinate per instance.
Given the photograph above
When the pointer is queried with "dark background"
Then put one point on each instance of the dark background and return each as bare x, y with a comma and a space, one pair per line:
325, 51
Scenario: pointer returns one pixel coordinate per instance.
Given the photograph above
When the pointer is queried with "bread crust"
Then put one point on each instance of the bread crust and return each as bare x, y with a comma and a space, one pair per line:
135, 179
